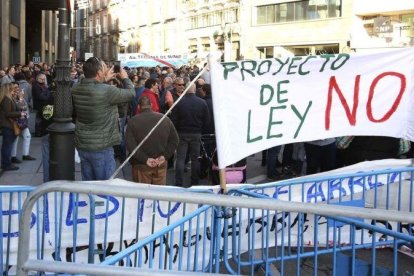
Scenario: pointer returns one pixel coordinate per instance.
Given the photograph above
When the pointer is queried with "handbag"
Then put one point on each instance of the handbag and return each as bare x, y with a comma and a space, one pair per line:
22, 122
15, 127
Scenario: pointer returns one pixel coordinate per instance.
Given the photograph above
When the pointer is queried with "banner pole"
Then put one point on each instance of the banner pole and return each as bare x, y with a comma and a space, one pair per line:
223, 184
222, 172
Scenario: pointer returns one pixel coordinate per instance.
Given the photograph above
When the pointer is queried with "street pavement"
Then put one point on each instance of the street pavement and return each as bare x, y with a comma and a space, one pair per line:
31, 172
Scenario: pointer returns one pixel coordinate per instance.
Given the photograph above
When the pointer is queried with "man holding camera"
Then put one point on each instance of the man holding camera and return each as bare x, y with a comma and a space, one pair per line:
96, 127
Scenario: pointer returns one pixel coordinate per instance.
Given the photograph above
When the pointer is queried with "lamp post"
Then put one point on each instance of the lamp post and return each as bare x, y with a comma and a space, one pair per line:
62, 130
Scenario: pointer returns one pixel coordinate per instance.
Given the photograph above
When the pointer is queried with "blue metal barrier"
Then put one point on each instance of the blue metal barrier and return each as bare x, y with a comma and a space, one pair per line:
290, 248
170, 254
252, 234
11, 200
60, 219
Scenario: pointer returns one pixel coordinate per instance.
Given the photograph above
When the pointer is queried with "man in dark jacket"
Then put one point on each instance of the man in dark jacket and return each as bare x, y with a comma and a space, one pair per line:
96, 126
42, 96
149, 162
191, 118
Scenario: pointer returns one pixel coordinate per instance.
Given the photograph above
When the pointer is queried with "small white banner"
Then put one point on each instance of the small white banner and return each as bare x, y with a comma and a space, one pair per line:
265, 103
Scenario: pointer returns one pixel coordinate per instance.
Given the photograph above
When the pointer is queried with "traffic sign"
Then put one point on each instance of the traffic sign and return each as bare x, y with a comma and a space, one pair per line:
36, 60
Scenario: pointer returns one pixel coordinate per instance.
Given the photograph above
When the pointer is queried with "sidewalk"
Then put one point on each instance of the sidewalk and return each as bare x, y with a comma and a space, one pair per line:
31, 172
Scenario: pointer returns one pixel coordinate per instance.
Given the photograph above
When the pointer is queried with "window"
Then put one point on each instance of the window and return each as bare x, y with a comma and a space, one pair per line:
265, 52
193, 22
219, 16
334, 8
266, 14
230, 16
97, 21
169, 39
407, 28
408, 18
105, 23
298, 11
204, 21
15, 13
105, 49
90, 27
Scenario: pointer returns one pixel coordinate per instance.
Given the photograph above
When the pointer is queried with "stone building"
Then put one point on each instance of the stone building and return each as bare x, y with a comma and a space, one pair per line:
380, 25
28, 29
236, 29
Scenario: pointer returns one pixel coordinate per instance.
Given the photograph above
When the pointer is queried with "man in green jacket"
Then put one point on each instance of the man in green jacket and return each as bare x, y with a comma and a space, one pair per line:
96, 111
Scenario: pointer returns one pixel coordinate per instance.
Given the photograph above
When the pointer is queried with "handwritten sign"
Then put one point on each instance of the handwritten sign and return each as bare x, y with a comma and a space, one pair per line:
155, 215
265, 103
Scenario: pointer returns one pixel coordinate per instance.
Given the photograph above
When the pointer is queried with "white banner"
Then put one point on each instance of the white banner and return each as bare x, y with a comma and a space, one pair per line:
265, 103
133, 60
393, 193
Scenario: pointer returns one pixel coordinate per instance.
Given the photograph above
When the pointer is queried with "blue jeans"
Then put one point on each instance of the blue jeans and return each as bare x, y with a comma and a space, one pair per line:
191, 142
272, 155
6, 146
97, 165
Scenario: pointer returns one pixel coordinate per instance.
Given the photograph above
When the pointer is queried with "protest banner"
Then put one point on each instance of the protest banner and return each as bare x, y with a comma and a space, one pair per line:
265, 103
133, 60
155, 215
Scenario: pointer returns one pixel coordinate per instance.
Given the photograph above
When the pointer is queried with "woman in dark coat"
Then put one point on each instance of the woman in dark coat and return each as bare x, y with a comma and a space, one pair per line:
8, 113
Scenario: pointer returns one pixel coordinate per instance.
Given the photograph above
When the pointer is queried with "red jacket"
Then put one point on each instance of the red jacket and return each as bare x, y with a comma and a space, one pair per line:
153, 97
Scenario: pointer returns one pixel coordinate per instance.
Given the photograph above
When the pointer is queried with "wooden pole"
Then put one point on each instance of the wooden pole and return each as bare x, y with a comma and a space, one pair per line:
223, 184
222, 172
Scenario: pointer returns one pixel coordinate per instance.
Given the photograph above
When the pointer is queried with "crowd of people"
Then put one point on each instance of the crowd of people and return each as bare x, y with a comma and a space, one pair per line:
121, 106
115, 109
16, 101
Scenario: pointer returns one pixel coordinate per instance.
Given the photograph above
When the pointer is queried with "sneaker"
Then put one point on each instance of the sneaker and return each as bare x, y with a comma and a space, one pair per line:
10, 168
15, 160
28, 157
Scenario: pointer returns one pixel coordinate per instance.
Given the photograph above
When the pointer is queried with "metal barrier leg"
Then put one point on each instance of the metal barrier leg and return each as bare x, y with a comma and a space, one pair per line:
91, 247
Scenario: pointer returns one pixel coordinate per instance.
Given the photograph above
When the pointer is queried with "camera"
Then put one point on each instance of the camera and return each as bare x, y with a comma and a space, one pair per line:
117, 66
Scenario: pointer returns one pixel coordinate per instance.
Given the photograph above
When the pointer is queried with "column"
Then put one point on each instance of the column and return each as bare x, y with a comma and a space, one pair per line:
5, 33
22, 32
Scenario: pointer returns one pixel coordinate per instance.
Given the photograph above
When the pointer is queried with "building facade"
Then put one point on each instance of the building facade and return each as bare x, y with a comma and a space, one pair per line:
12, 32
382, 24
248, 29
28, 29
129, 26
41, 34
307, 27
213, 26
235, 29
